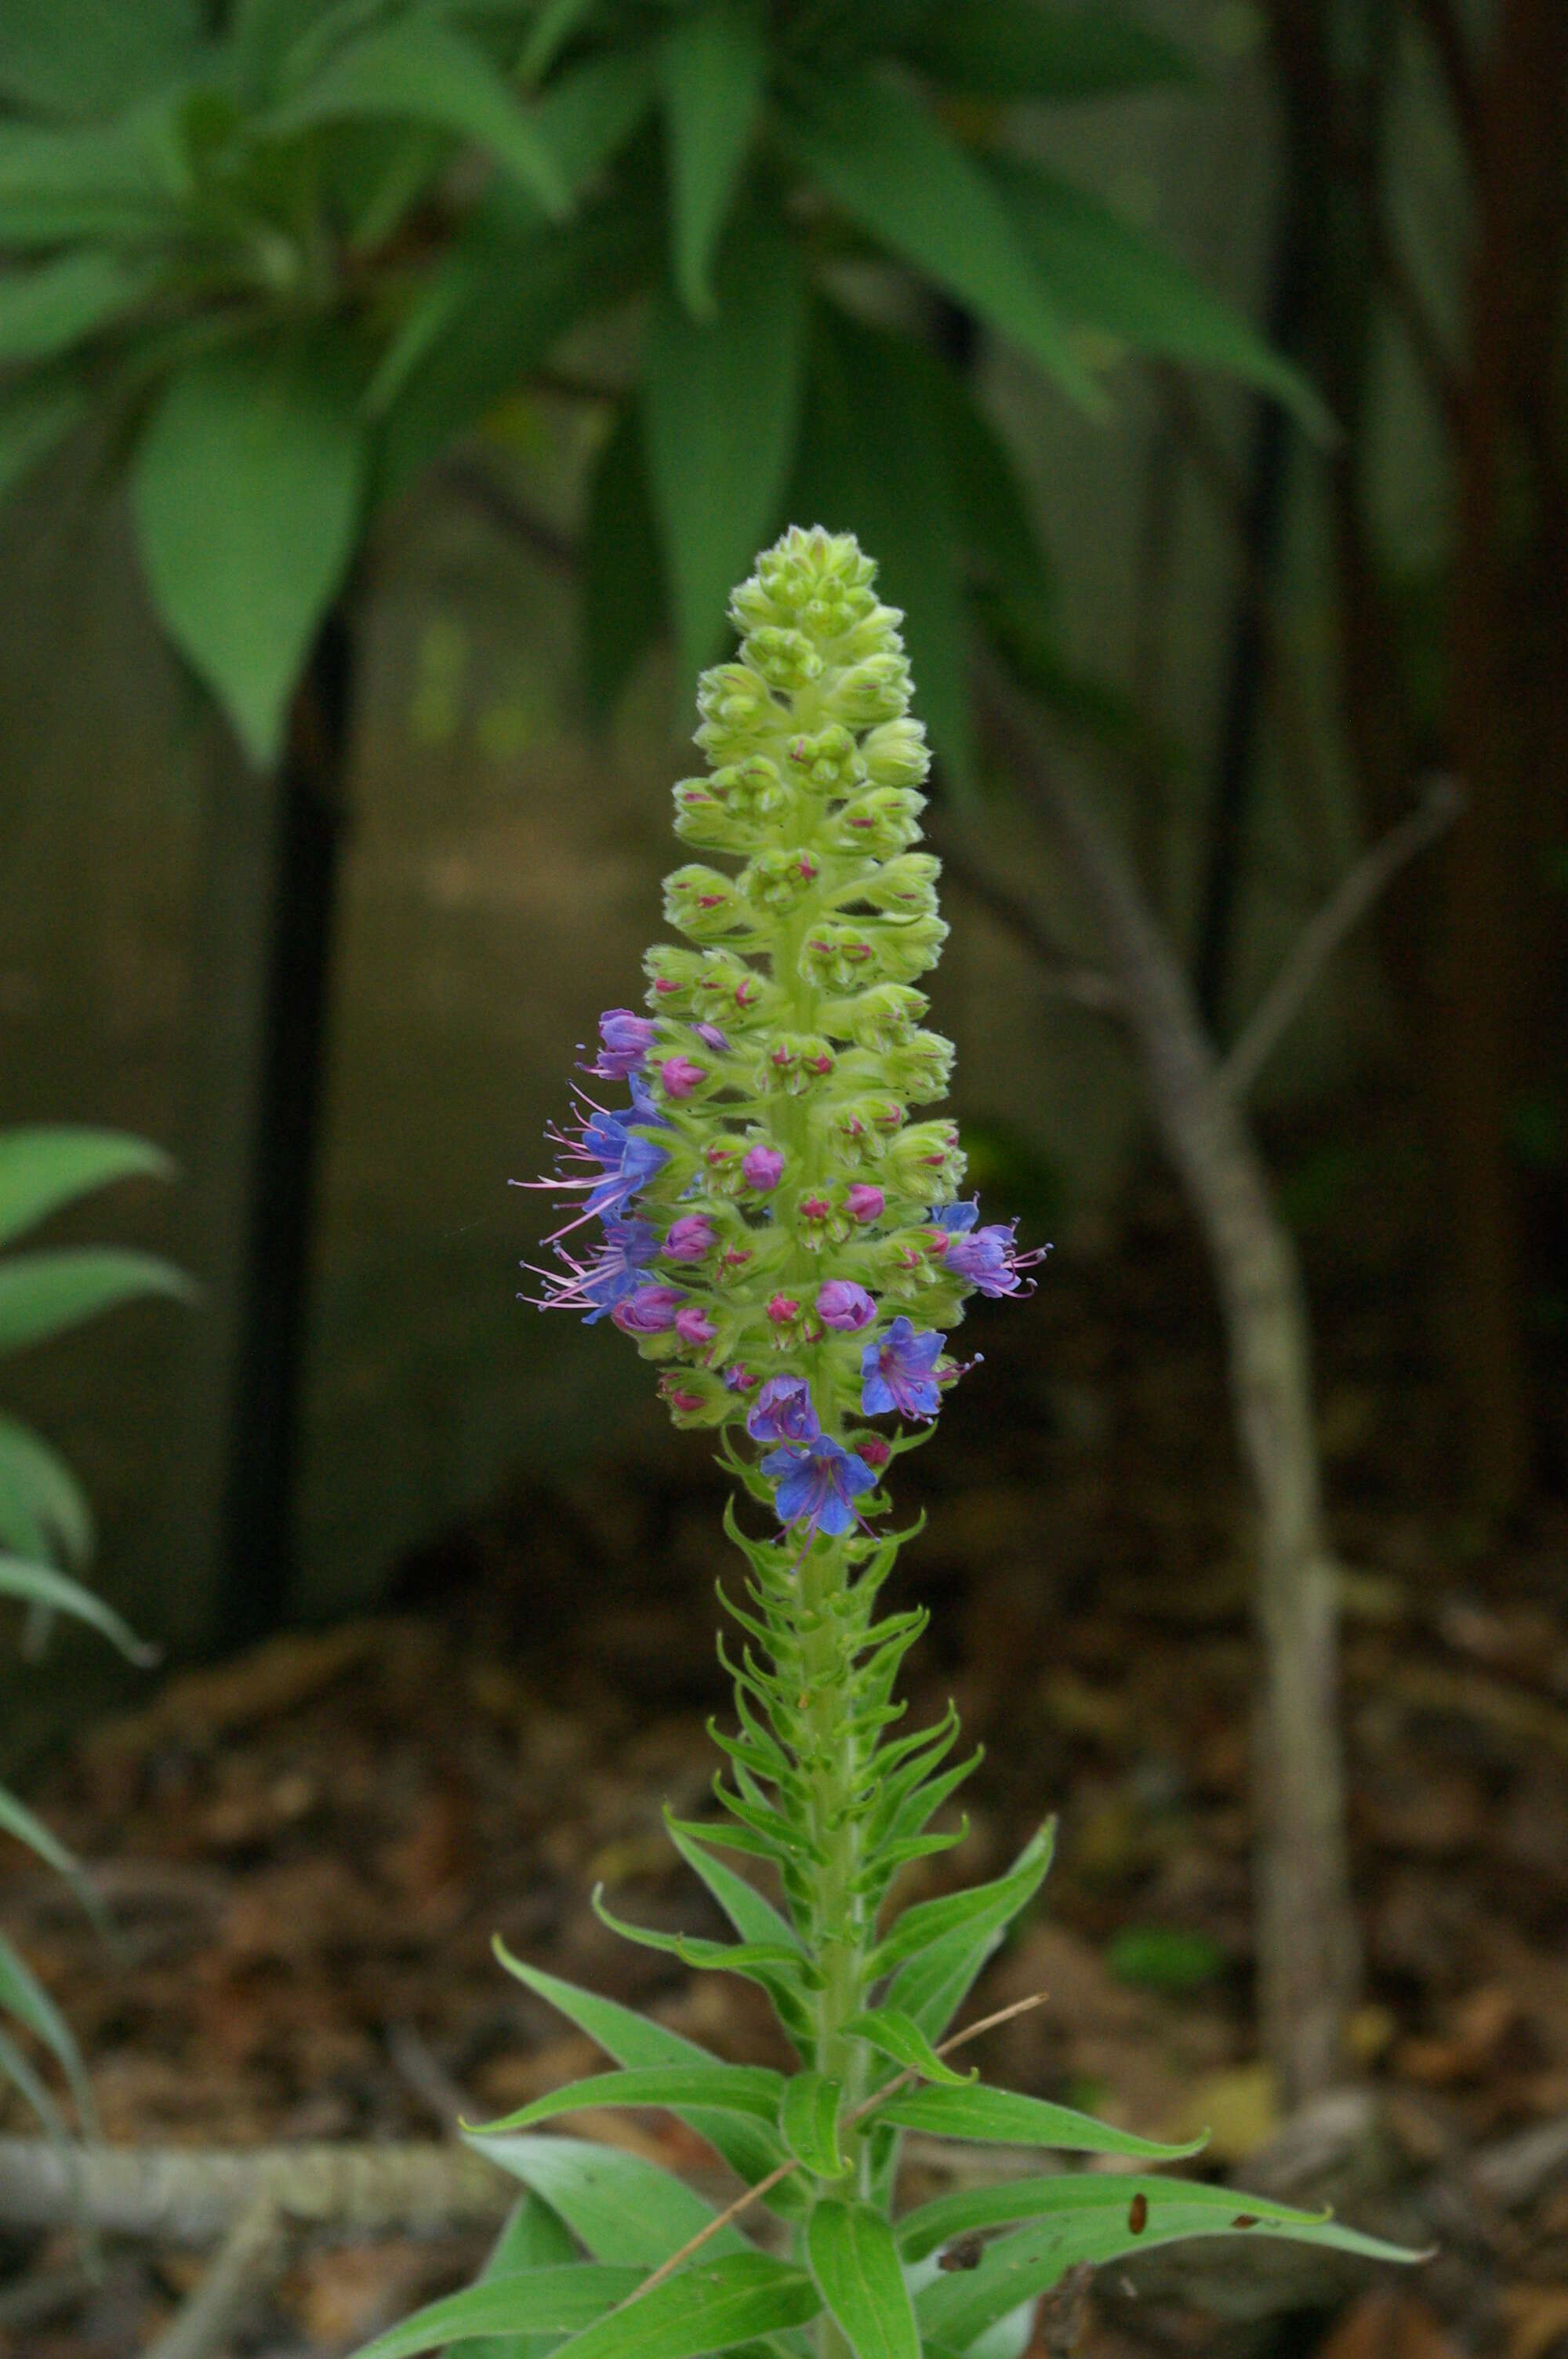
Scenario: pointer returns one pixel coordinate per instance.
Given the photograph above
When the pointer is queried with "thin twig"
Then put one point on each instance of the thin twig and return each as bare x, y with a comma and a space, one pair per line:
249, 2260
744, 2202
1321, 935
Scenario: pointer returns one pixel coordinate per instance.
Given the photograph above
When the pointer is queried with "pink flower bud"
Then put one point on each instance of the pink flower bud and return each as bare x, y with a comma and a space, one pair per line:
782, 1309
814, 1208
680, 1076
689, 1237
844, 1306
738, 1379
695, 1326
864, 1203
763, 1168
688, 1403
873, 1449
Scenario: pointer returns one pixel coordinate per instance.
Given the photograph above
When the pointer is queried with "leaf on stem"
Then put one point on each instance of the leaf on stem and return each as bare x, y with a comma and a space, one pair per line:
750, 2089
900, 2038
1004, 2117
623, 2208
808, 2117
855, 2263
44, 1167
712, 69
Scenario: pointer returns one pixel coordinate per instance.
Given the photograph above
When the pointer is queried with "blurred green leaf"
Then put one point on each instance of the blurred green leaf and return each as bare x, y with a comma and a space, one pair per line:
990, 501
56, 305
1160, 1957
93, 182
25, 1997
247, 491
33, 416
425, 72
713, 65
886, 160
82, 57
15, 2068
720, 405
1011, 50
17, 1821
44, 1167
557, 2302
624, 602
1104, 274
553, 28
40, 1584
42, 1294
590, 110
44, 1511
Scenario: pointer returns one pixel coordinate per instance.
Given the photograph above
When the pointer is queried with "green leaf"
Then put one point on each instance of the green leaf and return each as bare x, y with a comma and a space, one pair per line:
557, 2301
1109, 276
966, 1913
855, 2262
993, 503
40, 1584
753, 1914
707, 2306
46, 310
1070, 2194
247, 491
635, 2039
898, 2038
750, 2089
553, 28
622, 570
1004, 2117
872, 461
622, 2208
720, 402
808, 2117
886, 160
34, 415
45, 1167
41, 1294
586, 116
22, 1993
713, 65
532, 2238
16, 2068
17, 1821
87, 183
421, 71
931, 1986
83, 57
44, 1511
959, 2306
1011, 50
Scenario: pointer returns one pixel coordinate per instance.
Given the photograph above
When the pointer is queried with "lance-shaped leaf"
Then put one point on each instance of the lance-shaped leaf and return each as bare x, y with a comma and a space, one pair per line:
721, 403
808, 2117
1011, 50
708, 2306
247, 490
712, 67
42, 1294
1107, 274
622, 613
34, 415
959, 2307
1004, 2117
81, 58
24, 1997
623, 2208
750, 2089
971, 1915
898, 2038
552, 29
40, 1584
44, 1511
890, 165
44, 1167
590, 111
56, 305
750, 1912
1075, 2193
421, 72
96, 181
557, 2302
531, 2238
855, 2263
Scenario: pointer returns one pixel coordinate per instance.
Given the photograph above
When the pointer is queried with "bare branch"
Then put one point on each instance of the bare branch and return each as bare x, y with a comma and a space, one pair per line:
1322, 934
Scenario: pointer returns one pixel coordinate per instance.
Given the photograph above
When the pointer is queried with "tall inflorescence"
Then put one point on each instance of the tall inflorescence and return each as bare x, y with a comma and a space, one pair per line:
782, 1229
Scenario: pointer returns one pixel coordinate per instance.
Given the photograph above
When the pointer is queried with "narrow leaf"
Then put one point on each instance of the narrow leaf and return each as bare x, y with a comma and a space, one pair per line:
589, 114
965, 1913
42, 1294
750, 2089
753, 1914
553, 28
623, 2208
622, 570
25, 1995
40, 1497
1004, 2117
421, 71
898, 2038
56, 305
532, 2238
855, 2263
808, 2117
86, 57
16, 1820
708, 2306
247, 490
720, 404
43, 1167
40, 1584
97, 181
933, 1985
886, 160
712, 68
557, 2302
1011, 50
922, 2231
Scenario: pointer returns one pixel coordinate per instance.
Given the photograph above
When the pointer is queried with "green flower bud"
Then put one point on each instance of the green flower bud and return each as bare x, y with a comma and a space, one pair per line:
896, 755
779, 881
785, 659
703, 817
794, 1063
927, 1162
879, 1018
906, 886
879, 822
705, 904
876, 689
828, 762
906, 949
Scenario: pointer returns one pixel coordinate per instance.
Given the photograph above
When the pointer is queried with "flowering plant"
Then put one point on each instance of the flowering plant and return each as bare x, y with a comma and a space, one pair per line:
790, 1247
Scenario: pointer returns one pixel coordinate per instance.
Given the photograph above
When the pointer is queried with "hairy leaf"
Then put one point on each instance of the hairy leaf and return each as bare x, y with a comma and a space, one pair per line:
712, 68
898, 2038
753, 1914
855, 2263
532, 2238
554, 2301
707, 2306
971, 1914
1070, 2193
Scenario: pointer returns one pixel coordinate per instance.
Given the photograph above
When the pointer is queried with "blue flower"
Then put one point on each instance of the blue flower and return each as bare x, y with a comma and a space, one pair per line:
991, 1260
896, 1372
819, 1483
615, 1270
956, 1218
782, 1412
627, 1039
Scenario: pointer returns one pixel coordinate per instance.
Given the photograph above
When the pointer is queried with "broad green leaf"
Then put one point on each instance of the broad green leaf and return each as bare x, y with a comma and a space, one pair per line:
959, 1913
22, 1993
34, 415
1071, 2193
40, 1584
82, 183
855, 2263
713, 65
41, 1294
1011, 50
872, 461
1106, 275
886, 160
808, 2117
592, 110
82, 58
557, 2301
753, 1914
623, 612
721, 401
421, 72
706, 2306
726, 2088
635, 2039
621, 2207
1004, 2117
247, 491
898, 2038
959, 2306
46, 311
47, 1166
933, 1985
44, 1511
532, 2238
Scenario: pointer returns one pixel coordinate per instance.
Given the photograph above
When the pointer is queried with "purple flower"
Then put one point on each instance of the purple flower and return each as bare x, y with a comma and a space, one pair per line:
783, 1411
896, 1372
627, 1039
613, 1273
956, 1218
989, 1259
738, 1379
681, 1076
648, 1311
864, 1203
845, 1306
819, 1483
694, 1325
689, 1238
763, 1168
712, 1037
